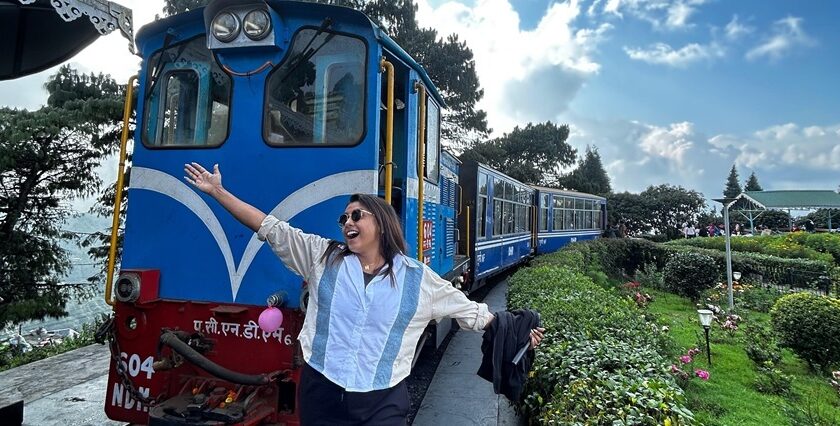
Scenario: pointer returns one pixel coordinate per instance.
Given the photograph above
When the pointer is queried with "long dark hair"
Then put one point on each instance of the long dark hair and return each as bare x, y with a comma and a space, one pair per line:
391, 241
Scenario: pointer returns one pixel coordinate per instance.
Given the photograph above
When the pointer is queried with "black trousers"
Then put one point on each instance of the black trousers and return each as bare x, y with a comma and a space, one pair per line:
322, 402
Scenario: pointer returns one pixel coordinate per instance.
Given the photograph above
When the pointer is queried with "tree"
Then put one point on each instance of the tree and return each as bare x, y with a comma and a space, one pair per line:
752, 184
671, 206
733, 189
447, 60
589, 176
533, 154
631, 209
47, 157
774, 219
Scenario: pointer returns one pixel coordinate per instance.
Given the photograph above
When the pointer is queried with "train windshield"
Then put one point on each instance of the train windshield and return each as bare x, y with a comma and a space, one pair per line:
188, 97
317, 96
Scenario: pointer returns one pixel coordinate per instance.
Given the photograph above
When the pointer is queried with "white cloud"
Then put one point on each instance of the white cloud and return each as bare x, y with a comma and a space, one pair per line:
518, 68
661, 14
787, 36
664, 54
735, 30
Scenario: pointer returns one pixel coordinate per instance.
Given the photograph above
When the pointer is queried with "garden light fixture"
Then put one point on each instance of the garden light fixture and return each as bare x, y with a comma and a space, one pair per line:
736, 276
706, 321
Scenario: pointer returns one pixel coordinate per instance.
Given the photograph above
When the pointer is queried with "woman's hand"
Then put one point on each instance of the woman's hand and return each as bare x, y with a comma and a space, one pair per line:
202, 179
536, 336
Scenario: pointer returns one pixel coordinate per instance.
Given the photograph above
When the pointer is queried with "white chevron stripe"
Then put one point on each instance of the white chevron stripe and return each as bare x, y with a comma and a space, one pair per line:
346, 183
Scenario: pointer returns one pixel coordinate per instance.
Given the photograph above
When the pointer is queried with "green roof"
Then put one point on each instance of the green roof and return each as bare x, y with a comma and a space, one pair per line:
795, 199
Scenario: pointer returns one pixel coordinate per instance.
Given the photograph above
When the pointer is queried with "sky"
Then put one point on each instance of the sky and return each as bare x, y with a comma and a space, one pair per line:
669, 92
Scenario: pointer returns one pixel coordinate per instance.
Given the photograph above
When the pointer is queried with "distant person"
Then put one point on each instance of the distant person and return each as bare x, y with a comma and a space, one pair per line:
737, 230
766, 231
703, 232
711, 230
690, 231
810, 226
622, 230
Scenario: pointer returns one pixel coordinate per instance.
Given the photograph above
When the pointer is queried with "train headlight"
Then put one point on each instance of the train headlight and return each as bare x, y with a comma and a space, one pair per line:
257, 24
128, 287
226, 27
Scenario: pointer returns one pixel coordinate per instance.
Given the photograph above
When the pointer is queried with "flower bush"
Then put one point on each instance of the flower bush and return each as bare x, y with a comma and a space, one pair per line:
682, 370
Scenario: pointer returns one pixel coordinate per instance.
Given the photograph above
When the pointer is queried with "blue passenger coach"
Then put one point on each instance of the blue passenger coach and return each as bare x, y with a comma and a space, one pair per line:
497, 221
564, 217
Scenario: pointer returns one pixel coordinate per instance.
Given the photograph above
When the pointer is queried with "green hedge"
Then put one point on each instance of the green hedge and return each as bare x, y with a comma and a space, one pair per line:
601, 362
797, 245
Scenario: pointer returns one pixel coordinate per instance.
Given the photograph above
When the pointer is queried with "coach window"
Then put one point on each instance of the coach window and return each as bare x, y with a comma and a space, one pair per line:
558, 213
544, 200
569, 214
188, 98
498, 196
317, 96
481, 214
432, 163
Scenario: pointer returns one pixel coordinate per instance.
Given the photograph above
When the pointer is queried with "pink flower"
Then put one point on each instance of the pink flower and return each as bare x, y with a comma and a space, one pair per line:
674, 368
685, 359
703, 374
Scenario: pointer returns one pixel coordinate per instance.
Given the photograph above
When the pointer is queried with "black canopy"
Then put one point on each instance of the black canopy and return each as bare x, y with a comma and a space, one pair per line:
38, 34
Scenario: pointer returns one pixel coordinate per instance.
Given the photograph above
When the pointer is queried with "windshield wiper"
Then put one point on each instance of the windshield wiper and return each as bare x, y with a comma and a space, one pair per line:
307, 52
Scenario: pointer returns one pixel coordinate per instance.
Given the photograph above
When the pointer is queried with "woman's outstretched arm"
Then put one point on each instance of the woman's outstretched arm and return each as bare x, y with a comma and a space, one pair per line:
211, 184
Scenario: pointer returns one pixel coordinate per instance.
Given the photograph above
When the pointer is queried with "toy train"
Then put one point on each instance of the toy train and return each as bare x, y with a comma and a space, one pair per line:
301, 104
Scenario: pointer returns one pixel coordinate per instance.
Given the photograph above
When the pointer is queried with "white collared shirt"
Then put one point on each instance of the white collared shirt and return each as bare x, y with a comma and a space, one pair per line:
361, 337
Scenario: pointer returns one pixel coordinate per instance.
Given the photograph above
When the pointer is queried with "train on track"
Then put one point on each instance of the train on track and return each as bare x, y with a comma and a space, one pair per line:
302, 105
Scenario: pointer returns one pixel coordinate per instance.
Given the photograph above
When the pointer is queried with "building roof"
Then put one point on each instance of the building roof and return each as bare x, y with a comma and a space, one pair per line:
792, 199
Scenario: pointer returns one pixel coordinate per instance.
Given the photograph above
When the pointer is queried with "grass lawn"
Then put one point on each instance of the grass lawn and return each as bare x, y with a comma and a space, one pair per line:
729, 396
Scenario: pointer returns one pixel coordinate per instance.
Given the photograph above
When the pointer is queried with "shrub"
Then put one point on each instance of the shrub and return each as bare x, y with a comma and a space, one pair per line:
688, 274
771, 380
810, 326
600, 361
761, 345
612, 382
650, 277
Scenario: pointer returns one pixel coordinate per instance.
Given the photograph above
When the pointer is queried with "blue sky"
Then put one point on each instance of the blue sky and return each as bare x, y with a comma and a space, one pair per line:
668, 91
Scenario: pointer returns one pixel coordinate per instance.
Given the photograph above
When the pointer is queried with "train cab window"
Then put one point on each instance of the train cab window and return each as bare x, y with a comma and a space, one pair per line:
317, 96
432, 160
188, 101
481, 212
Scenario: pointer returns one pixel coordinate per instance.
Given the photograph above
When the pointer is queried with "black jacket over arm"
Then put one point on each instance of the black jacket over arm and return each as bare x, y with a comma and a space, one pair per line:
508, 333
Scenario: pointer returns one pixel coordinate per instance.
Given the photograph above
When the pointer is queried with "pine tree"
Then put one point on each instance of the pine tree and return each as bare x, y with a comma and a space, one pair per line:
733, 189
589, 176
752, 184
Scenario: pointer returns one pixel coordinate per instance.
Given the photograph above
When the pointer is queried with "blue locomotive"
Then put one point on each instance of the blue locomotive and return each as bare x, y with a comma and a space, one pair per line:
302, 104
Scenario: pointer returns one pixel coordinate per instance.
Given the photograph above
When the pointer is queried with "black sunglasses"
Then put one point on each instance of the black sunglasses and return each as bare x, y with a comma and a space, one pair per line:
356, 215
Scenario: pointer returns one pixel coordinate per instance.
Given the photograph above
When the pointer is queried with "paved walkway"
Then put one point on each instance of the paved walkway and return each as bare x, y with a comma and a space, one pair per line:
457, 396
66, 389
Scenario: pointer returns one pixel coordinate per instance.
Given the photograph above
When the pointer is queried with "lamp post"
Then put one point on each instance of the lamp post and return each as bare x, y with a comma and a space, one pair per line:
706, 321
727, 203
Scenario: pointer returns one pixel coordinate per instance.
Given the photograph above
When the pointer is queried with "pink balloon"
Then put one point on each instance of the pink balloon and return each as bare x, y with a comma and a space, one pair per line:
271, 319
